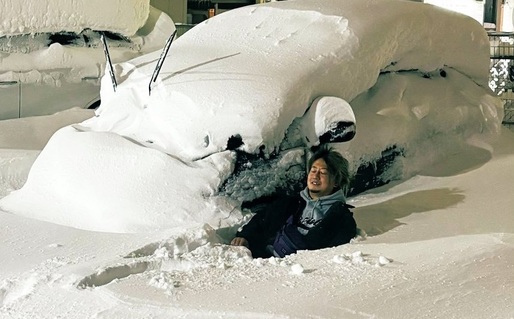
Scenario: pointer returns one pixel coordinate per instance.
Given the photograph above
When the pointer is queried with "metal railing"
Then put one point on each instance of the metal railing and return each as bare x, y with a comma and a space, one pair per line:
501, 71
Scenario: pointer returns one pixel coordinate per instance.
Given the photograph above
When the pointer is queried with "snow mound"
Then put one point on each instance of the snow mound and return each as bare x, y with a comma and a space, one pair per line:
118, 166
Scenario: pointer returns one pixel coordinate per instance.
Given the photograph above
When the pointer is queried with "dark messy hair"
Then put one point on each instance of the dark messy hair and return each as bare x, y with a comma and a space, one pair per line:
337, 166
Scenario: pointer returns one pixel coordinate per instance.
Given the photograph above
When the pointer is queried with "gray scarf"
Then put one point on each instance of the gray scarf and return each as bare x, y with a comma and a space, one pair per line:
315, 209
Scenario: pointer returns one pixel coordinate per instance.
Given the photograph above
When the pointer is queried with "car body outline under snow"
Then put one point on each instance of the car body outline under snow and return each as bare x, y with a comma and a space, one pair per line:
205, 54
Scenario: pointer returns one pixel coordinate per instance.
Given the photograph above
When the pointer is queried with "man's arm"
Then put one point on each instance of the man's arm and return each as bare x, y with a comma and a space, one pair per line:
239, 241
264, 225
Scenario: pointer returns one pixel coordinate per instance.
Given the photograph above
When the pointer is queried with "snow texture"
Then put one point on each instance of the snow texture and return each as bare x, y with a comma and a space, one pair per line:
101, 224
51, 16
295, 51
191, 114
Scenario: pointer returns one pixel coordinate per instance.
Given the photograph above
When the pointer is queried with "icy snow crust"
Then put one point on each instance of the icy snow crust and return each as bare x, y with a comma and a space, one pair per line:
25, 17
261, 66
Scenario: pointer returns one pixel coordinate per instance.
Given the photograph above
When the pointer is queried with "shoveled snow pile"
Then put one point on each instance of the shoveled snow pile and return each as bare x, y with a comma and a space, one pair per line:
25, 17
429, 253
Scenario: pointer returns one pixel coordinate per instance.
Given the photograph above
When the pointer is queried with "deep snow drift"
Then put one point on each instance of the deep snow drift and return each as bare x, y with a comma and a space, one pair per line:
438, 245
137, 145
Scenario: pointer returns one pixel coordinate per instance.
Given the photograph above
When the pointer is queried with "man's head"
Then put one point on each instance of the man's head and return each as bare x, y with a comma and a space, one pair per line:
328, 172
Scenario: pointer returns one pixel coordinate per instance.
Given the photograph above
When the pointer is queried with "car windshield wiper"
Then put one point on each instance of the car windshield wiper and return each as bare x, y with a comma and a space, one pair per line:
161, 61
109, 62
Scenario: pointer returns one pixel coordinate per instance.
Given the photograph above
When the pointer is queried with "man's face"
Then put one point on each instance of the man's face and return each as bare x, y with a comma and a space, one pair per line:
319, 181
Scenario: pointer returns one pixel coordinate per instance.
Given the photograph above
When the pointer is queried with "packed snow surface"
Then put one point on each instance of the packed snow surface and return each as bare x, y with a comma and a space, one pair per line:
109, 218
41, 16
437, 245
253, 81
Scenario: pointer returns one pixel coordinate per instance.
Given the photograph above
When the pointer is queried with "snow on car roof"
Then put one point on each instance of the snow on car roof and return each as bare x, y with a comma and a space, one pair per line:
37, 58
249, 67
25, 17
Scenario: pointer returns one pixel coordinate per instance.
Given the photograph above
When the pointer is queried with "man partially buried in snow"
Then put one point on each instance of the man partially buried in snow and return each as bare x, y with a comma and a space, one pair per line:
316, 218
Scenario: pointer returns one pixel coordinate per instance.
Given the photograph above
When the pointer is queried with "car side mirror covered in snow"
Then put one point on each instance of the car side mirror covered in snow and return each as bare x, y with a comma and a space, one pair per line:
338, 133
329, 119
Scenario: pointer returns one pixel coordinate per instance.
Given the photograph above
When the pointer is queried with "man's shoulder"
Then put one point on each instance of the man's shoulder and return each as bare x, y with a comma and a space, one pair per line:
342, 207
289, 199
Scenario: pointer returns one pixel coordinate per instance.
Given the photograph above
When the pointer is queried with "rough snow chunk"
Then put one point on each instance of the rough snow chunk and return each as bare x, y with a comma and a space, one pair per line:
383, 260
297, 269
164, 281
357, 257
339, 259
209, 255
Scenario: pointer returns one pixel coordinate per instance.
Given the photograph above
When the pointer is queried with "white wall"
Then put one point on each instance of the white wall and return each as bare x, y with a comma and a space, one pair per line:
508, 16
472, 8
176, 9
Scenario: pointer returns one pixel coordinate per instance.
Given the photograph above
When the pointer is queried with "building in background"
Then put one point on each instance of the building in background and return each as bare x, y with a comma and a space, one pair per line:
472, 8
195, 11
507, 13
495, 15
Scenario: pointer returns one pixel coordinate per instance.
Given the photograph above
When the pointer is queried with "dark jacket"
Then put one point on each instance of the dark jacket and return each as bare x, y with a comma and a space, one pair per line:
281, 218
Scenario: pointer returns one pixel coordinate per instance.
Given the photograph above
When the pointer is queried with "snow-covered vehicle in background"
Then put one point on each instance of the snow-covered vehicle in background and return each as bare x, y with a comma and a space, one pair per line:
51, 56
244, 80
242, 98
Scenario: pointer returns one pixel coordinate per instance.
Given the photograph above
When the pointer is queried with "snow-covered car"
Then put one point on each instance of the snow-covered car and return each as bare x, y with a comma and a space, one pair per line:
233, 111
259, 68
51, 53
